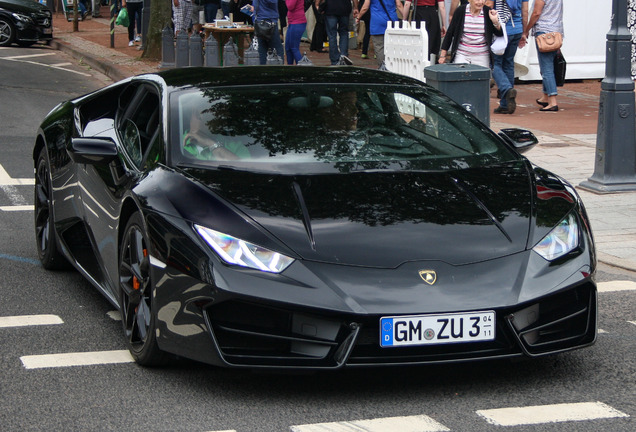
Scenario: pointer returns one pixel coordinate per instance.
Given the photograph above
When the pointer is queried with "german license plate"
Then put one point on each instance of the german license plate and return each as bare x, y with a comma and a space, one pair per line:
437, 329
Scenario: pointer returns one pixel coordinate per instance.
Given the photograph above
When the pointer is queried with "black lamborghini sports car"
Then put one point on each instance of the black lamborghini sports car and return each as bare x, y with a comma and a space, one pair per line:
305, 217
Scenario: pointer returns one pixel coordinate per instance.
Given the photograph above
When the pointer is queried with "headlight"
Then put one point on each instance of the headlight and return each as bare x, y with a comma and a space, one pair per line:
563, 239
23, 18
239, 252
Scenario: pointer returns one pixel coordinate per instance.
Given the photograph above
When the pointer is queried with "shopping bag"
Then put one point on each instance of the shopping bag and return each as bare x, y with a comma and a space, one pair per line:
499, 43
559, 68
122, 18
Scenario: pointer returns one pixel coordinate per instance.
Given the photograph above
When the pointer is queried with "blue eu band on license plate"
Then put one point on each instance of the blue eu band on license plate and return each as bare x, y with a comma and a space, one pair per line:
437, 329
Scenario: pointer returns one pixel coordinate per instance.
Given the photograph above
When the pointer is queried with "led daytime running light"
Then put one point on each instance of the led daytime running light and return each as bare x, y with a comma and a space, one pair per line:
239, 252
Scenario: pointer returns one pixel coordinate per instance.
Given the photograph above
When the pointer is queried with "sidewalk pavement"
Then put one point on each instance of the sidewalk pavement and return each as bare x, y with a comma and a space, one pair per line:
567, 139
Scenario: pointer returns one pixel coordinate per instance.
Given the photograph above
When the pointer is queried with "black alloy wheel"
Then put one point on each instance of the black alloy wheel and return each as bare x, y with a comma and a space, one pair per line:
47, 246
136, 295
7, 32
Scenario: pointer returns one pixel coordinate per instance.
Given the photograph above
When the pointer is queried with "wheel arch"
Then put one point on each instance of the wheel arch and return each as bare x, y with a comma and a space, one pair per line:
128, 208
37, 148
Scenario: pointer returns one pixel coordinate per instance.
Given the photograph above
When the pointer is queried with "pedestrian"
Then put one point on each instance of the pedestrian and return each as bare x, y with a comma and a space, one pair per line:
453, 5
238, 14
546, 17
430, 12
470, 34
134, 8
319, 35
209, 9
296, 25
381, 13
514, 14
337, 22
181, 15
366, 19
267, 10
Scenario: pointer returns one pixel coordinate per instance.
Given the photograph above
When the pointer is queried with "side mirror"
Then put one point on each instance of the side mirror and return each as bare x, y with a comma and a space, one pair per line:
93, 151
521, 139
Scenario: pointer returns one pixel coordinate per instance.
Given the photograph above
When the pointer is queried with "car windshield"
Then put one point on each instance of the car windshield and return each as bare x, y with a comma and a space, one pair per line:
327, 128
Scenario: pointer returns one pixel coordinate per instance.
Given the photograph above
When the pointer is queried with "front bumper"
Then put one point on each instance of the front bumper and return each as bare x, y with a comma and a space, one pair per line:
251, 335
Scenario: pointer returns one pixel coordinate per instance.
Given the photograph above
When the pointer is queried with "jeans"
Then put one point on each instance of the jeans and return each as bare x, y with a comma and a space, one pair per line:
503, 69
546, 65
292, 42
273, 43
210, 12
225, 7
337, 25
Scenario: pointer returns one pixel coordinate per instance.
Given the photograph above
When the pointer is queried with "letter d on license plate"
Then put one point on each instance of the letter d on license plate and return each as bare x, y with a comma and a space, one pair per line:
437, 329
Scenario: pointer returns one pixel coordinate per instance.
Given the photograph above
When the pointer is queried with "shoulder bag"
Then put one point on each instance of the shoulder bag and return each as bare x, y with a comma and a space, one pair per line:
499, 43
548, 42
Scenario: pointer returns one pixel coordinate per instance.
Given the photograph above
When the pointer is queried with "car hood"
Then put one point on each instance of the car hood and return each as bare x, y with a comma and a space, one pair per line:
384, 219
24, 6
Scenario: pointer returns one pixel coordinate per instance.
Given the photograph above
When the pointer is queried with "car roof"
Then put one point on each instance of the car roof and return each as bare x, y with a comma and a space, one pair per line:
273, 75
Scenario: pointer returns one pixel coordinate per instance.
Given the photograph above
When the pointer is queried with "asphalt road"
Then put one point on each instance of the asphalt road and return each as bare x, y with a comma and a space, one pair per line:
186, 396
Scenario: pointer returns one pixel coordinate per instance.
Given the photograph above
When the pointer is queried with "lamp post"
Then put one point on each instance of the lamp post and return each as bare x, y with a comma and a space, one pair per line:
615, 162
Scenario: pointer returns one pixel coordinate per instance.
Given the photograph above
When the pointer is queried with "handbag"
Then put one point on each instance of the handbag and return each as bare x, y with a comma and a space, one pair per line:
499, 43
264, 29
548, 42
559, 68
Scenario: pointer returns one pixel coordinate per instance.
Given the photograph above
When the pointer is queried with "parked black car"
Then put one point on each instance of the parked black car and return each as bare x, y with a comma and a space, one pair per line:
305, 217
24, 22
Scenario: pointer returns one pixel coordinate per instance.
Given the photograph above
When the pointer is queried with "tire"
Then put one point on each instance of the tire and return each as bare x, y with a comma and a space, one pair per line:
7, 32
45, 237
137, 311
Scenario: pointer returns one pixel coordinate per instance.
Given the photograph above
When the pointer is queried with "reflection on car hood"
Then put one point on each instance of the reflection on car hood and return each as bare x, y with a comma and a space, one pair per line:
383, 219
24, 6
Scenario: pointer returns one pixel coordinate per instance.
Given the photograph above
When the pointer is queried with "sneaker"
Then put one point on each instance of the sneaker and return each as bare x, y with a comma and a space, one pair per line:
364, 56
138, 38
346, 60
510, 100
131, 43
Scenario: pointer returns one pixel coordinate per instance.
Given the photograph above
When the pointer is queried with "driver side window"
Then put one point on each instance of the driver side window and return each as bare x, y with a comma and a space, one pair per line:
139, 127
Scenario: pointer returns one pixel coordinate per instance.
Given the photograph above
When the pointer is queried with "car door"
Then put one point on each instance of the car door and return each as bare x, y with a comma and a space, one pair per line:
135, 127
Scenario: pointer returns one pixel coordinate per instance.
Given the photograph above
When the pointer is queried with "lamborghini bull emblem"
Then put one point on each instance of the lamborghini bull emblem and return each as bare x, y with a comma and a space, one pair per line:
428, 276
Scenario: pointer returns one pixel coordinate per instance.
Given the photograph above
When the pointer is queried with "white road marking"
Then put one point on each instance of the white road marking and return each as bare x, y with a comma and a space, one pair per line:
76, 359
550, 413
7, 180
29, 320
17, 208
29, 56
57, 65
616, 286
419, 423
632, 322
20, 60
114, 315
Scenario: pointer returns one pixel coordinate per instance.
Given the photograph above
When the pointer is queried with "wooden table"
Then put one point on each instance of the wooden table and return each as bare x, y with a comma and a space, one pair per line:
223, 34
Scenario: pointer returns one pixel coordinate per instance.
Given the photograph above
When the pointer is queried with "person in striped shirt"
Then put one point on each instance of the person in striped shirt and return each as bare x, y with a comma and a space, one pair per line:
469, 35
